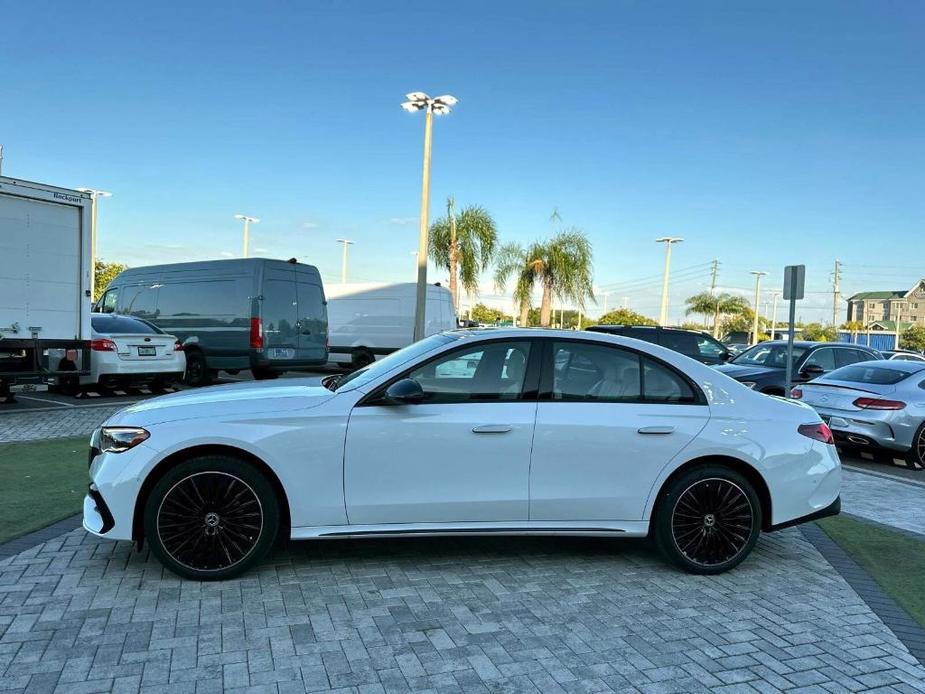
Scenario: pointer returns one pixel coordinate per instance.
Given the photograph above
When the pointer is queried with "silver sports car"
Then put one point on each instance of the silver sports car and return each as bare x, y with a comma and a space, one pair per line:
873, 405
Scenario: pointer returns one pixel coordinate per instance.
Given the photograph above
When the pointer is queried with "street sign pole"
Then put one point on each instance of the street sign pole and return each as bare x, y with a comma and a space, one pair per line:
794, 281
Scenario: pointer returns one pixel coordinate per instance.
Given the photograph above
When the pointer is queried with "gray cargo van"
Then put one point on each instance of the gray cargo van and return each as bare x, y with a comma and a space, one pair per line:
268, 316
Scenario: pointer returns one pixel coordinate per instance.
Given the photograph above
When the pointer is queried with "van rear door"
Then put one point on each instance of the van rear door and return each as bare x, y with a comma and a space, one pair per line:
279, 311
312, 324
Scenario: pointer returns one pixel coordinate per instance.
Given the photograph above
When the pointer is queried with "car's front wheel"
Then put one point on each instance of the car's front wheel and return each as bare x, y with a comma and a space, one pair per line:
708, 520
211, 518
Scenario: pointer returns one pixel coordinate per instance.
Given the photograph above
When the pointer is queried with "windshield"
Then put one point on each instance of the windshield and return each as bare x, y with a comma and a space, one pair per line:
383, 366
115, 325
773, 355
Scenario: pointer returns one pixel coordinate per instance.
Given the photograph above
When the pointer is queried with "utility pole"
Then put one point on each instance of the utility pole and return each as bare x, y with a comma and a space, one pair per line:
605, 295
669, 241
714, 271
758, 275
1, 160
343, 259
836, 280
95, 195
626, 302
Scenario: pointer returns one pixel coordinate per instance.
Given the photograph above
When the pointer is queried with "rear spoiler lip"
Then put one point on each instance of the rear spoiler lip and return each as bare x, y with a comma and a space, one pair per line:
827, 384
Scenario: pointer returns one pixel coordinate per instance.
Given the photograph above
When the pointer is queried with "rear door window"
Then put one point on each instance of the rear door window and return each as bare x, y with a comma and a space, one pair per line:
824, 358
685, 343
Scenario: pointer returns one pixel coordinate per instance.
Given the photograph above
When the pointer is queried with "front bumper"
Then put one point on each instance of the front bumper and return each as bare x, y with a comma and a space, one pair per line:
116, 480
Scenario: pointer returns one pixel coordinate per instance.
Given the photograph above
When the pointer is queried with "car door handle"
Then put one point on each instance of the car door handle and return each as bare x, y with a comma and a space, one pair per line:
492, 429
655, 430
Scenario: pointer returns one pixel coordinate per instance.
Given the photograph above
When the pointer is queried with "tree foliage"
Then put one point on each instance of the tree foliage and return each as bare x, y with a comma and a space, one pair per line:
561, 267
719, 306
103, 274
464, 244
624, 316
816, 332
486, 314
913, 338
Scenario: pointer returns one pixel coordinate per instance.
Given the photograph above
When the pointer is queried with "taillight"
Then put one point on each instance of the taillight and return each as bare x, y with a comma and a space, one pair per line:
796, 393
817, 432
102, 345
256, 334
878, 404
177, 347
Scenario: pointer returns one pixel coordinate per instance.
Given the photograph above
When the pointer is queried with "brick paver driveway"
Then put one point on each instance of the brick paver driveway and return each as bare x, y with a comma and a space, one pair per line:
466, 614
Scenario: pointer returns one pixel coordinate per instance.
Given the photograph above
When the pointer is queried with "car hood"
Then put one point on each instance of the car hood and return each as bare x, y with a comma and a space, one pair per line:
740, 373
233, 399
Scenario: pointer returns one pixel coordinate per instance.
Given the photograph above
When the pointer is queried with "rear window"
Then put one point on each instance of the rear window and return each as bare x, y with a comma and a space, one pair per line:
874, 375
122, 325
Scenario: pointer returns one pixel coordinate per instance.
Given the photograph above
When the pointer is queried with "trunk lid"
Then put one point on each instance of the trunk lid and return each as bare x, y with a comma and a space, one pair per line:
142, 347
840, 395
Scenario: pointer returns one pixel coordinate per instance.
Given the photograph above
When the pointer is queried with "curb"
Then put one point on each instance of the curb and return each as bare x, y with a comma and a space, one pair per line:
897, 620
37, 537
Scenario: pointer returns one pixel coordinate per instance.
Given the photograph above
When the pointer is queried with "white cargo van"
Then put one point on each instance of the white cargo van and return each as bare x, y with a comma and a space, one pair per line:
366, 321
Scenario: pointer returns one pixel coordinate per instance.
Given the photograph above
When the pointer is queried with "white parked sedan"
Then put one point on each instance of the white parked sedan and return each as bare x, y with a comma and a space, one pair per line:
129, 351
466, 432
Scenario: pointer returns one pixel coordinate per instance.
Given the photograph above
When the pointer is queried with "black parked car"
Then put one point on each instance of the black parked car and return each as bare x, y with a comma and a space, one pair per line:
696, 345
764, 366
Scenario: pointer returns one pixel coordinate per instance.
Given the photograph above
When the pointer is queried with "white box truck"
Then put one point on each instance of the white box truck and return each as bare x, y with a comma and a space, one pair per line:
369, 320
45, 274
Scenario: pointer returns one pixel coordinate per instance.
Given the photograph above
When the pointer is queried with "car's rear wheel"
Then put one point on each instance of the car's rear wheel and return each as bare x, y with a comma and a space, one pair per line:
197, 371
708, 520
361, 357
916, 455
211, 518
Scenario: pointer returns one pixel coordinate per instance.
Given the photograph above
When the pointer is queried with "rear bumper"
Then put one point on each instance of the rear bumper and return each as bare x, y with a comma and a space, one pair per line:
832, 509
871, 429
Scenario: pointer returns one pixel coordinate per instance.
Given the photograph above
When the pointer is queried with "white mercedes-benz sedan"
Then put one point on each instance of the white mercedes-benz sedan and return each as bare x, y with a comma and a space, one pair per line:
466, 432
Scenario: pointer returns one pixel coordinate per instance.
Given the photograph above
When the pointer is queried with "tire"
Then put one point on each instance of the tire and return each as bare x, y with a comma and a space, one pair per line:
197, 372
915, 458
360, 358
264, 374
728, 529
197, 532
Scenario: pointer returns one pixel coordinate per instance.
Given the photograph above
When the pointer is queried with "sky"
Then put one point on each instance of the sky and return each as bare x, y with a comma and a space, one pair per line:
764, 134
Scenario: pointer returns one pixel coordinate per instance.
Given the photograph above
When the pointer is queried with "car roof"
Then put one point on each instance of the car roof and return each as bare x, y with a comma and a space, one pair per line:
810, 344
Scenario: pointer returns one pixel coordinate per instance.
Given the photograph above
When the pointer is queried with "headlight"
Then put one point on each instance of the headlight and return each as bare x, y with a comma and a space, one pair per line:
748, 384
119, 439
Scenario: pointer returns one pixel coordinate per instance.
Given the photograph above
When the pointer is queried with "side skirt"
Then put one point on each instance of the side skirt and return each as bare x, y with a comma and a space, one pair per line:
575, 528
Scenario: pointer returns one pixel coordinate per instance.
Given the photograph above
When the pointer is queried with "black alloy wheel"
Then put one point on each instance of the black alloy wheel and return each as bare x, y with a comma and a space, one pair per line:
708, 520
211, 518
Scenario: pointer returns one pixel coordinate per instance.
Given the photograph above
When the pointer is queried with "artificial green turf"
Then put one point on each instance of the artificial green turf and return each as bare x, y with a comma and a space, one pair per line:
895, 560
40, 482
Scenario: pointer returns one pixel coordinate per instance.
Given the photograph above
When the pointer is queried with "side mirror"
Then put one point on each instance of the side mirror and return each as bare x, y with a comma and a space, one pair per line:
727, 356
407, 391
811, 371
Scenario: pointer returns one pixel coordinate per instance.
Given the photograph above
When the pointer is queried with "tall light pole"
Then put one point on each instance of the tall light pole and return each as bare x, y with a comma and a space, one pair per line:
775, 295
343, 260
758, 275
247, 230
419, 101
669, 241
94, 196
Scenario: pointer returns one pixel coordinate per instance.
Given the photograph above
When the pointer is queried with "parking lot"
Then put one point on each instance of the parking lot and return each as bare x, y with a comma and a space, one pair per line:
78, 614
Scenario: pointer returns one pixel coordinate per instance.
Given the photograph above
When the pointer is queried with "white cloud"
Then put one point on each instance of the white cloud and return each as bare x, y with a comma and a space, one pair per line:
403, 221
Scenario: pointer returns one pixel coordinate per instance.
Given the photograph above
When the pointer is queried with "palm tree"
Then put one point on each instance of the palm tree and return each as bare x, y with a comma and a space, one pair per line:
464, 244
561, 266
511, 259
718, 305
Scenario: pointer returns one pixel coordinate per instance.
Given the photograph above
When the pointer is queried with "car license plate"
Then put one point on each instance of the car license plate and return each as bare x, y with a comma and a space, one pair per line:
147, 351
282, 353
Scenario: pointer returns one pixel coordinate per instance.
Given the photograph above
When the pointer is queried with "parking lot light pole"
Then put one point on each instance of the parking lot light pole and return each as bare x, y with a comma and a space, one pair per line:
669, 241
343, 260
94, 196
758, 275
419, 101
247, 230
